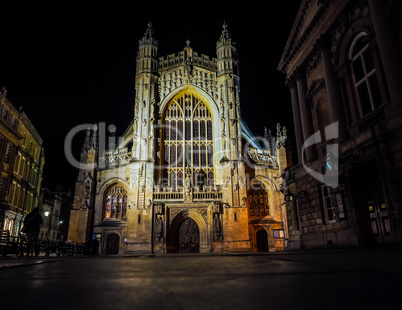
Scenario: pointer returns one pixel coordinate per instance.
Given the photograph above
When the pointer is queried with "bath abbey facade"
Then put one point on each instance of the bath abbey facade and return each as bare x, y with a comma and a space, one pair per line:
187, 176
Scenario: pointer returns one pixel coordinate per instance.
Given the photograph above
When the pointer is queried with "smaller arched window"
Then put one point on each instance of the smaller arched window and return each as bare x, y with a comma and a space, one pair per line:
258, 202
116, 202
364, 75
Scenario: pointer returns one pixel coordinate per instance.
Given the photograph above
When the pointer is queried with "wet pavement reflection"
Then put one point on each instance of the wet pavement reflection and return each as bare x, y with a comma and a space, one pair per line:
312, 280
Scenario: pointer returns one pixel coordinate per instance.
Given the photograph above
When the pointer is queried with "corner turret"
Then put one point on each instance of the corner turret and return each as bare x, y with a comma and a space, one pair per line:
226, 53
147, 61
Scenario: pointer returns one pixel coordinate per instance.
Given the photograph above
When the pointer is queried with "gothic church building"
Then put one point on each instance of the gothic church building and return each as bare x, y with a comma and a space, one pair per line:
187, 176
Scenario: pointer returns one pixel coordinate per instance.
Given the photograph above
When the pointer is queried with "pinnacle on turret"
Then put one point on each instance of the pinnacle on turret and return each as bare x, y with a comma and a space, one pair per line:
91, 140
149, 33
225, 33
87, 140
226, 53
281, 136
94, 138
147, 61
148, 37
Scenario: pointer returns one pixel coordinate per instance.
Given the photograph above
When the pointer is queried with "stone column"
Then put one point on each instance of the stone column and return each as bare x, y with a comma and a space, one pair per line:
291, 83
332, 86
390, 51
305, 112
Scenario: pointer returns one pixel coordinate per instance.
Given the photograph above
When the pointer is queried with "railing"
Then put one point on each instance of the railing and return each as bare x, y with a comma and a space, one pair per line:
177, 194
262, 157
168, 196
18, 246
110, 158
207, 195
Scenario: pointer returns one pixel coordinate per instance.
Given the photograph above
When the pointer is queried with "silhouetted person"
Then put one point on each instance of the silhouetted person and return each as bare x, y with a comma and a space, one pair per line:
32, 227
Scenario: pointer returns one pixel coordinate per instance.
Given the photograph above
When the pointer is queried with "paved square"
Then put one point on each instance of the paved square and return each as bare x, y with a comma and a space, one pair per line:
361, 279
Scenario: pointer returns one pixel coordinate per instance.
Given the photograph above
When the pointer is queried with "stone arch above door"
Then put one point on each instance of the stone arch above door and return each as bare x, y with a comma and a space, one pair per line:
176, 223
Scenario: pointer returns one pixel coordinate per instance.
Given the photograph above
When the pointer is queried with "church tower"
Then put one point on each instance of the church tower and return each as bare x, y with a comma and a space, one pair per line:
176, 182
139, 219
232, 161
81, 215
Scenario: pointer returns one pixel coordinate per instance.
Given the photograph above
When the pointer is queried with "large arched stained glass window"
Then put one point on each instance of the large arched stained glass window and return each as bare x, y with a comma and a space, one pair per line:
188, 141
116, 202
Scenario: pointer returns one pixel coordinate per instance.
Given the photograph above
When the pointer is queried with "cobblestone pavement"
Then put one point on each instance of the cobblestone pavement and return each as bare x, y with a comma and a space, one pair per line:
352, 279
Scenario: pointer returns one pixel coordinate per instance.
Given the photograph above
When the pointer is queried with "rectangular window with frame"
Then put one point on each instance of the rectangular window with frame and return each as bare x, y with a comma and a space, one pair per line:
341, 207
11, 193
13, 122
329, 208
2, 183
4, 113
279, 233
17, 163
7, 155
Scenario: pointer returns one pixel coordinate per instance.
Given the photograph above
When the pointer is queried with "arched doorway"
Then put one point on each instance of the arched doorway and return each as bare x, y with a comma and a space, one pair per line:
189, 237
113, 244
262, 241
188, 223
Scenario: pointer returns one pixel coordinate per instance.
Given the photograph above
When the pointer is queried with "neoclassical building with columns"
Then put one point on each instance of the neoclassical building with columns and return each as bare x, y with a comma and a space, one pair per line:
343, 66
187, 176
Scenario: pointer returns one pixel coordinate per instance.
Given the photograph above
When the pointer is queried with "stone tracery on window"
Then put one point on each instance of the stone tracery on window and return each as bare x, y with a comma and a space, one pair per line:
188, 141
258, 199
116, 202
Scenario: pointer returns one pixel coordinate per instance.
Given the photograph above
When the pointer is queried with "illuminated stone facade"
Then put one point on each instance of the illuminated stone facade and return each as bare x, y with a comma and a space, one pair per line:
182, 179
21, 166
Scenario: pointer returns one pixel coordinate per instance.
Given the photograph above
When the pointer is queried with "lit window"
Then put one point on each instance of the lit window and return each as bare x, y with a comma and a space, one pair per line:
13, 121
4, 113
279, 233
116, 202
188, 141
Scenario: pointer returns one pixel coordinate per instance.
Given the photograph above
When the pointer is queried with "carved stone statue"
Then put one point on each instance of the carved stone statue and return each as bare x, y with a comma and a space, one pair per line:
187, 184
187, 187
217, 227
243, 201
158, 228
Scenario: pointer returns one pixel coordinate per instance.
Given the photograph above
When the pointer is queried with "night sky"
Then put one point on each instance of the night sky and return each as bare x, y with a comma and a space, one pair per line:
69, 65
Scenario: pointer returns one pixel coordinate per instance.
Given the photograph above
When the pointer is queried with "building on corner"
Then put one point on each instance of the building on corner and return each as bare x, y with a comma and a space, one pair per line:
343, 66
21, 165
